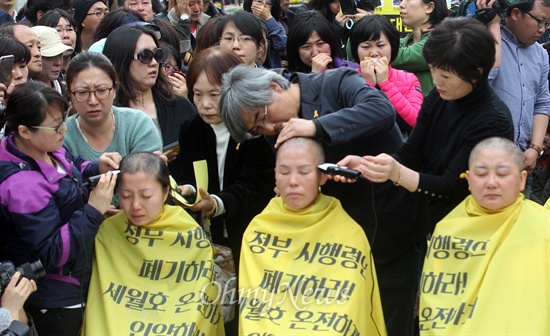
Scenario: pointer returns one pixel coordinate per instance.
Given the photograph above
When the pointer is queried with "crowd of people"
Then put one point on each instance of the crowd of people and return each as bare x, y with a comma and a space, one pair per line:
140, 137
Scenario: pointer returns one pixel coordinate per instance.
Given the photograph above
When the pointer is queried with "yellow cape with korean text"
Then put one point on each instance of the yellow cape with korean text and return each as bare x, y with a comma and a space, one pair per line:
308, 272
157, 279
488, 273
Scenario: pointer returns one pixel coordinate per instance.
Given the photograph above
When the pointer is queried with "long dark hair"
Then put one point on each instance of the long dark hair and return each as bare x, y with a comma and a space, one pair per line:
119, 48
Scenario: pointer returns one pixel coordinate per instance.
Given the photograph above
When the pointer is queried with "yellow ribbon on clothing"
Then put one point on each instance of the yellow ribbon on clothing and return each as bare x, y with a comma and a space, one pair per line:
308, 272
488, 272
156, 279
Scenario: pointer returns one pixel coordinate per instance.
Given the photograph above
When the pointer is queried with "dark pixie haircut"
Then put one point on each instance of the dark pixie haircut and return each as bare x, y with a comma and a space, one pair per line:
209, 35
119, 48
439, 13
11, 46
88, 59
214, 62
35, 6
275, 8
462, 46
29, 103
246, 23
113, 20
322, 6
169, 34
303, 25
51, 19
149, 163
369, 28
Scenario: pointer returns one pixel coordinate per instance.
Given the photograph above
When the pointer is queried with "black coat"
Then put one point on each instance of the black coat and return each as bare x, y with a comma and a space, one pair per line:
248, 183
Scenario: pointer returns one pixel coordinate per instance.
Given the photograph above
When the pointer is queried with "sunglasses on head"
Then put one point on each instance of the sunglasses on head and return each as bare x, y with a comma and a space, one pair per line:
146, 56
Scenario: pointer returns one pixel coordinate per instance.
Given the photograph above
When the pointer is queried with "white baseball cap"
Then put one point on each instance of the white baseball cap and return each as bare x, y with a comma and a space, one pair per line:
50, 41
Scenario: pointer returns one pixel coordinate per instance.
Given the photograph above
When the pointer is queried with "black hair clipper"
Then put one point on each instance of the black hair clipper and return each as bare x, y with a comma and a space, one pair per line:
332, 169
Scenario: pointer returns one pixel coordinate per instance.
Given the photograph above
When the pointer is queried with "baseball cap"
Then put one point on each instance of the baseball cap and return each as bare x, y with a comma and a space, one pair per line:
50, 41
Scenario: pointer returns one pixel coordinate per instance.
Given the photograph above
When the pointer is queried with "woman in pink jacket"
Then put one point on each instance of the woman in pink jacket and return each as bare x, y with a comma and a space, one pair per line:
374, 44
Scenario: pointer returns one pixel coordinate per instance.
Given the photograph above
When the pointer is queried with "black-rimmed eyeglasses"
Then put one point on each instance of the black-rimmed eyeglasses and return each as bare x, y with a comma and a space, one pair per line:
100, 94
540, 23
254, 132
146, 56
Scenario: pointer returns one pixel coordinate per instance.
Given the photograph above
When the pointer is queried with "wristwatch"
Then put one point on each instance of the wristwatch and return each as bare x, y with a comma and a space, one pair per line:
538, 149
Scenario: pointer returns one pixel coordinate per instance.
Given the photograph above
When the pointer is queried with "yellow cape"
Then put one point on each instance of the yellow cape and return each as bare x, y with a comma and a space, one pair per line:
488, 272
153, 280
308, 272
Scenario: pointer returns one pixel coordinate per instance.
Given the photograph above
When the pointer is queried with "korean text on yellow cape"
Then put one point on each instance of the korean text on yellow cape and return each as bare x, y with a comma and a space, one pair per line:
308, 272
153, 280
488, 272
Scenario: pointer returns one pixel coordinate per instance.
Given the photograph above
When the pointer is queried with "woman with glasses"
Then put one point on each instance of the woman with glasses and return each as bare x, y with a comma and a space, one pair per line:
171, 70
241, 33
87, 16
269, 11
97, 126
240, 175
45, 211
136, 56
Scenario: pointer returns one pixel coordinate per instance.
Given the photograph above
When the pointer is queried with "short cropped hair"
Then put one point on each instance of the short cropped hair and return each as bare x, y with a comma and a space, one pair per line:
149, 163
303, 25
526, 6
244, 89
305, 142
214, 62
462, 46
369, 28
498, 143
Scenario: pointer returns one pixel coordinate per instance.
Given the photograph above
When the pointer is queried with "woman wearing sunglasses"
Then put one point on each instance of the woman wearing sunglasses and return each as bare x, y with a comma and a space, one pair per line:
136, 56
45, 211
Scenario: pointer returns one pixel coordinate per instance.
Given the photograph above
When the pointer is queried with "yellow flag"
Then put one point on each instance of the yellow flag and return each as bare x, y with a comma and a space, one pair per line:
153, 280
308, 272
488, 273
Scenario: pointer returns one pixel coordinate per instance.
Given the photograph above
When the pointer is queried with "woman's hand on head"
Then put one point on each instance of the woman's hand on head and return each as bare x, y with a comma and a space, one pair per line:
109, 161
102, 194
179, 84
170, 155
296, 127
320, 62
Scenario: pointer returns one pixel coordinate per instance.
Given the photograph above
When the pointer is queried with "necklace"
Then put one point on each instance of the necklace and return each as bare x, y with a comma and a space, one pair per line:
82, 133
